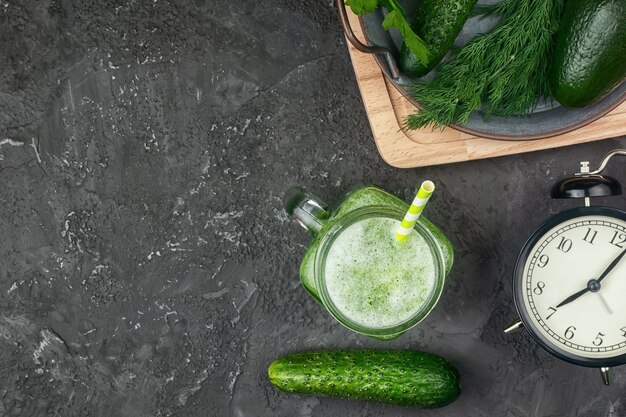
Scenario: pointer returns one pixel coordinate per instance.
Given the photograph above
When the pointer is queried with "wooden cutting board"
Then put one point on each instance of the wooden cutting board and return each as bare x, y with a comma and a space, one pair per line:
386, 108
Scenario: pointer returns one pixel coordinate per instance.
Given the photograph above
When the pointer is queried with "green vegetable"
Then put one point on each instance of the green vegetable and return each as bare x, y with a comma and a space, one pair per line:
396, 18
590, 51
401, 377
503, 71
438, 22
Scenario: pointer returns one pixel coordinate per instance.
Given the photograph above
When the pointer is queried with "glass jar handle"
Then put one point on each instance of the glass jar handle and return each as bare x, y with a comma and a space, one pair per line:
305, 208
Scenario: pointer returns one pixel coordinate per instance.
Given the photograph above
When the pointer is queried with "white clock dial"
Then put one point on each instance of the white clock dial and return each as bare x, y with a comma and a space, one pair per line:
567, 260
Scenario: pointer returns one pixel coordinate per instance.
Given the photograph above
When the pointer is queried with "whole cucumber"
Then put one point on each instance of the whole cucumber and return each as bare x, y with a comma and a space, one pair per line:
438, 23
401, 377
590, 51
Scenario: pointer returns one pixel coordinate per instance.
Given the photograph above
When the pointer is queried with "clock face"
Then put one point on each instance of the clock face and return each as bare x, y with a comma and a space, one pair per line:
566, 297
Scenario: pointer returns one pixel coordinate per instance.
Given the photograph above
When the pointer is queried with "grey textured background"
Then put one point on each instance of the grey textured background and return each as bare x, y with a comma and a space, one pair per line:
146, 266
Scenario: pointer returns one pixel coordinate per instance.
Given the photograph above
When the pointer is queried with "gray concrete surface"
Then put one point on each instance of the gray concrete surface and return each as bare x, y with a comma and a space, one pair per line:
146, 265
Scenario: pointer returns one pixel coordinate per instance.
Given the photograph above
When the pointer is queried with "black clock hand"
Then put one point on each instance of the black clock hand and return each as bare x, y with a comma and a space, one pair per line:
613, 265
573, 297
602, 276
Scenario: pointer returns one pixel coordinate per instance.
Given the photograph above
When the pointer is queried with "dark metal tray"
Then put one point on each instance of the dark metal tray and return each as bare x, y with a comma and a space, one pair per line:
548, 119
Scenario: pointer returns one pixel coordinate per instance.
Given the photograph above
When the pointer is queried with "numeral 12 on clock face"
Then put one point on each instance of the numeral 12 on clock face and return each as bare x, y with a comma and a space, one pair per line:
574, 283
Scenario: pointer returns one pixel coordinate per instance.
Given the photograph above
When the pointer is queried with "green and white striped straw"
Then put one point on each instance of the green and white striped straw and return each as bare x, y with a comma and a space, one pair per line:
415, 210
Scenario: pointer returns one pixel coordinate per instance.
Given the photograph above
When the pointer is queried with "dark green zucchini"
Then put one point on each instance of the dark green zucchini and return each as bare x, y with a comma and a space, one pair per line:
438, 23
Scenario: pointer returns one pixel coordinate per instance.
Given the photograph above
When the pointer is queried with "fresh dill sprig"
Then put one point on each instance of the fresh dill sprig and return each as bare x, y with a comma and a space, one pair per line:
503, 71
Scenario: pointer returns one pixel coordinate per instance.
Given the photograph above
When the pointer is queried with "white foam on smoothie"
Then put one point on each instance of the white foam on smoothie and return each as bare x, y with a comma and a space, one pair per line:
373, 279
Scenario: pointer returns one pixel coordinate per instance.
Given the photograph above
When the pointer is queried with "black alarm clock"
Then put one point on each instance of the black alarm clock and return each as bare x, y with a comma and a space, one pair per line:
569, 282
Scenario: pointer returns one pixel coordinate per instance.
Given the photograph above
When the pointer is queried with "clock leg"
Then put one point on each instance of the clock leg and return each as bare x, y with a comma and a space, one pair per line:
515, 327
605, 371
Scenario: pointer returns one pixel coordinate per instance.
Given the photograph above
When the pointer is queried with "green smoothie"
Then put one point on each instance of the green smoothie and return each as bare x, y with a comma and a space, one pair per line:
357, 270
375, 281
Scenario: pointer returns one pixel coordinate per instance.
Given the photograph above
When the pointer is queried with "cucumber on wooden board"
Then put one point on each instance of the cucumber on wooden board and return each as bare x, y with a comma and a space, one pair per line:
438, 23
590, 51
401, 377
